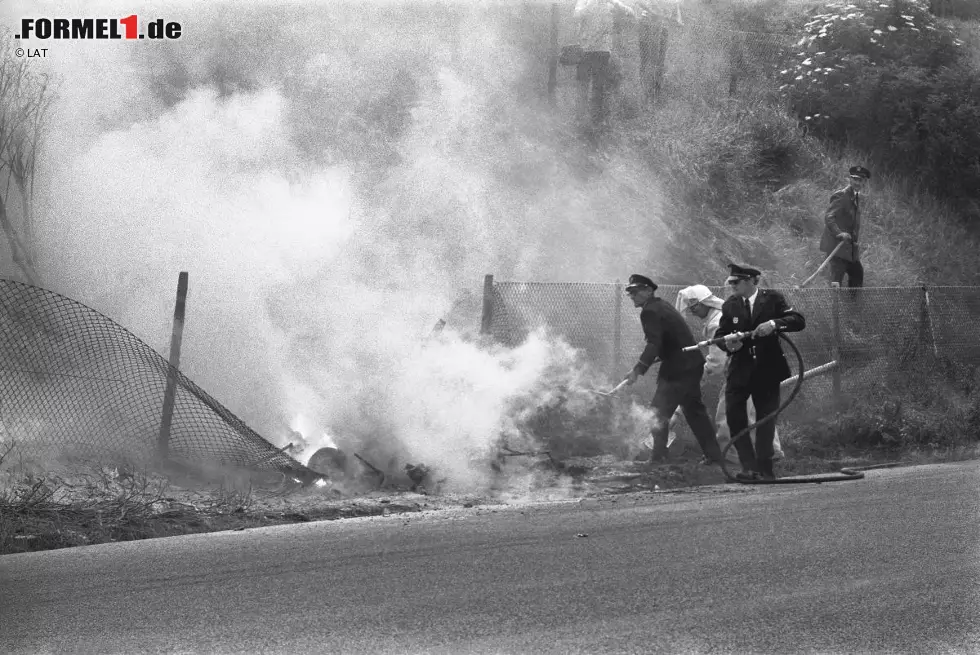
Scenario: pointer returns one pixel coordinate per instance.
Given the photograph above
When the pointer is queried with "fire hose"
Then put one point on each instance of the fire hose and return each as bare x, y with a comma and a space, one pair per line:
822, 266
854, 473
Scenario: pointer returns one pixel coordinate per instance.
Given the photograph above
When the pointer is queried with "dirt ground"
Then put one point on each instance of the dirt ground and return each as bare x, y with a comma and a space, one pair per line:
112, 504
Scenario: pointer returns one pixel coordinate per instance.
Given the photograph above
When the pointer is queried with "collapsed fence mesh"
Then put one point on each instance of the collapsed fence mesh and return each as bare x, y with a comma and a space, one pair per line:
73, 381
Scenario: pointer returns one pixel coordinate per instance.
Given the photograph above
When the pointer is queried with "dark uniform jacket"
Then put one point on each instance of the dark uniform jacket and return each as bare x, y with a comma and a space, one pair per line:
843, 215
666, 333
768, 366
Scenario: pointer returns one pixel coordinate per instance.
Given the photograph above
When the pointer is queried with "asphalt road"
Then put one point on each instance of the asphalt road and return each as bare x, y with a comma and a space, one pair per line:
888, 564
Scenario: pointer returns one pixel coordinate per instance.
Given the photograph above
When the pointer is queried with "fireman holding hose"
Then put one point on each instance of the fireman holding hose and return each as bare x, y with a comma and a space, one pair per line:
699, 300
757, 364
679, 378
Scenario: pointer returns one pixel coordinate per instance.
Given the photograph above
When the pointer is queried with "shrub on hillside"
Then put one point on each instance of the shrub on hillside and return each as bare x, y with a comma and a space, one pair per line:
888, 407
894, 83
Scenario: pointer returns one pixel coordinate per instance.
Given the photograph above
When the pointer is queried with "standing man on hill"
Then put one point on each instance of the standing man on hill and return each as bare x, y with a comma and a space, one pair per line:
679, 378
757, 364
597, 71
843, 224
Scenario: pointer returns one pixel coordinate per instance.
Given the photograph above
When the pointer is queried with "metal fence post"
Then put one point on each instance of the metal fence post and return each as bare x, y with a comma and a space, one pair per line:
926, 322
163, 442
487, 323
835, 318
617, 328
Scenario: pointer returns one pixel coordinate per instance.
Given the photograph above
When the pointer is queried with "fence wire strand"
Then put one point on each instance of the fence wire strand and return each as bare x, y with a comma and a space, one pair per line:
74, 382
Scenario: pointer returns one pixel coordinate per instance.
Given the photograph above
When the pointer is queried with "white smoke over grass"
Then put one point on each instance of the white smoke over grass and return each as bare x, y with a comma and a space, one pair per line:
333, 179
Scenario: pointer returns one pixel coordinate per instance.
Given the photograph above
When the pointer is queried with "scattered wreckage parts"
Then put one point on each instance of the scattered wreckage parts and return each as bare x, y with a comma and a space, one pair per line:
336, 466
506, 451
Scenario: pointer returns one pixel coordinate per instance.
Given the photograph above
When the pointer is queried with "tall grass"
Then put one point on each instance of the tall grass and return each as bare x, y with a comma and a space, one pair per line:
746, 179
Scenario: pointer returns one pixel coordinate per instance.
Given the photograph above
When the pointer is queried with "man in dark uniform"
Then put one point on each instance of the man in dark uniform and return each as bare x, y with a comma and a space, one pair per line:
679, 378
756, 363
843, 223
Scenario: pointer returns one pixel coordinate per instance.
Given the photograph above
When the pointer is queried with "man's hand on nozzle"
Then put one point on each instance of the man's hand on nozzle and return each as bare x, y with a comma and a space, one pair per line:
764, 330
846, 236
632, 377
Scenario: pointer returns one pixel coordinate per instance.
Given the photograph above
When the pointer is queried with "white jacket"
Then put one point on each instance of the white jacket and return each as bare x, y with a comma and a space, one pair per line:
715, 357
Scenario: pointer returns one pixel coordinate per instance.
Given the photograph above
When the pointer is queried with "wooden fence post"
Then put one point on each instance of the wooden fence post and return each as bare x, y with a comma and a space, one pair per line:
163, 441
486, 325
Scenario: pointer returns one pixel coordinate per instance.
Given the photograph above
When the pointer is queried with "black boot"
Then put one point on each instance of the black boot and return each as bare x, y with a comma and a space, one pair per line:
765, 467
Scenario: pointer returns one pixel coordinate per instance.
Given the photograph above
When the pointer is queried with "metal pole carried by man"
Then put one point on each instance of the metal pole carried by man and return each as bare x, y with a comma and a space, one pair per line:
756, 365
842, 225
699, 300
679, 379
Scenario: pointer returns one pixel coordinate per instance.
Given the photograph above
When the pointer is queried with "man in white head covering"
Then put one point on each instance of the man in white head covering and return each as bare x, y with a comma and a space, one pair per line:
699, 300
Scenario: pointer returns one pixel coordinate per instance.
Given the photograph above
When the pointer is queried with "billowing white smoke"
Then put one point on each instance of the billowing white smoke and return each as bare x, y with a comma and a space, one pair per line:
321, 254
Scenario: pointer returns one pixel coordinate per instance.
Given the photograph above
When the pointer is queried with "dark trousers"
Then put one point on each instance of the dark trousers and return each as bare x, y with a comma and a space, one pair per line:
686, 394
595, 78
854, 271
765, 397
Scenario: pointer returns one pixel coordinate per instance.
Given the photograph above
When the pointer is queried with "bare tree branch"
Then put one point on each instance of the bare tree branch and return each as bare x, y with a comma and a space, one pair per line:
25, 99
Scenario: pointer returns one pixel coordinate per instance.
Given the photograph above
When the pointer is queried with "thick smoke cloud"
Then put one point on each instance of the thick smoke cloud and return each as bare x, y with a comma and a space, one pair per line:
333, 177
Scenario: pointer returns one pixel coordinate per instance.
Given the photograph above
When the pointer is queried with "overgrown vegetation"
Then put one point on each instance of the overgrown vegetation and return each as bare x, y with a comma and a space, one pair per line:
892, 80
888, 409
49, 506
25, 101
748, 176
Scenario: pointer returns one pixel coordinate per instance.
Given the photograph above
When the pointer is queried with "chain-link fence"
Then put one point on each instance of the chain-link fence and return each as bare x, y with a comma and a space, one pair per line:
885, 341
74, 382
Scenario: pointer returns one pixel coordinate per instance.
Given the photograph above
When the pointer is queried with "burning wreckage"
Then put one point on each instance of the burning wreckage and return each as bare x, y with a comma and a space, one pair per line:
357, 471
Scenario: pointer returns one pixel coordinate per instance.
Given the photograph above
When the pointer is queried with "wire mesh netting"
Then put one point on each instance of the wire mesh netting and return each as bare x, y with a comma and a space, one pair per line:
884, 340
73, 381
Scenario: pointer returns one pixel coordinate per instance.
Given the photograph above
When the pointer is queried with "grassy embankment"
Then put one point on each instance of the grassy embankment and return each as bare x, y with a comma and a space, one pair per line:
747, 182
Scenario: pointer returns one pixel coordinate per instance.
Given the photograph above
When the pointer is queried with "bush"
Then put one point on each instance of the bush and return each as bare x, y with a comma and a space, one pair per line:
897, 85
891, 409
